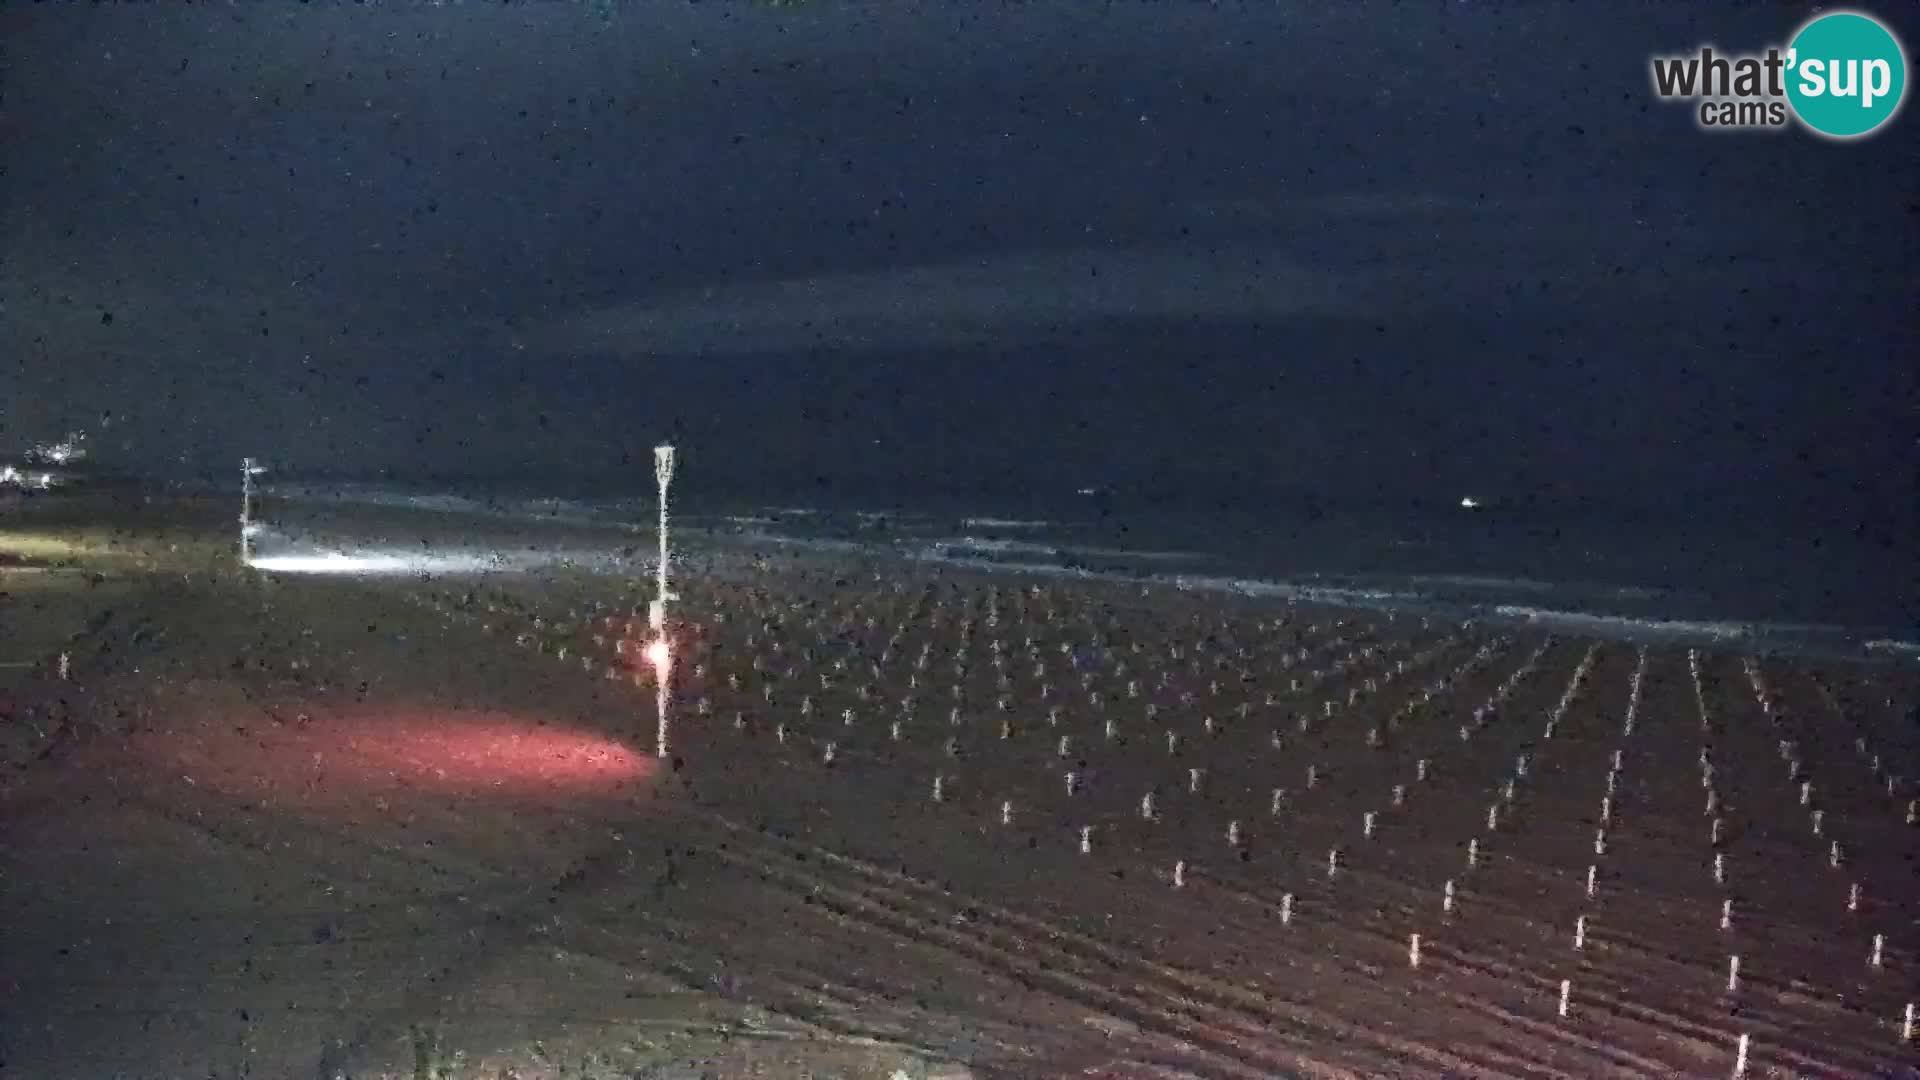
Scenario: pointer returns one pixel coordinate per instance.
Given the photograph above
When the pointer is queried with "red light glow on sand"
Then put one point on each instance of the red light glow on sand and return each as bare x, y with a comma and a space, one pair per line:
394, 751
490, 752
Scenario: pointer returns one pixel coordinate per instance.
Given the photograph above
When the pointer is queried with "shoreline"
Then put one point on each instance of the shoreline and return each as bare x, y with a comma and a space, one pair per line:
728, 551
172, 535
1472, 573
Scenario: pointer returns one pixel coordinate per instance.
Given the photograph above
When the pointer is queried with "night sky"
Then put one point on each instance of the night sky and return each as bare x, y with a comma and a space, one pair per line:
1359, 251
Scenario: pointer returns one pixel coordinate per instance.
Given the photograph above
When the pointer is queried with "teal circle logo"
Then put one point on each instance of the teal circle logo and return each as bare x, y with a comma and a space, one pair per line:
1846, 74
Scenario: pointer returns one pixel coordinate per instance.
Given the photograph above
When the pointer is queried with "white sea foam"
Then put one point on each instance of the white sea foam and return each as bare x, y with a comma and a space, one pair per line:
1627, 625
1042, 569
810, 543
1889, 645
1003, 523
1495, 583
1291, 590
966, 546
1484, 581
548, 509
1145, 556
982, 544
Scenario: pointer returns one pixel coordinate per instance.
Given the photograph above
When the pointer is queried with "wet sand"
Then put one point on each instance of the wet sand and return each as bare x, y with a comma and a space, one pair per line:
913, 820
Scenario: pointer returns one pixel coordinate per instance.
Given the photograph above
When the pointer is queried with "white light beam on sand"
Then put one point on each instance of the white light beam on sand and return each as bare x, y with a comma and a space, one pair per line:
336, 562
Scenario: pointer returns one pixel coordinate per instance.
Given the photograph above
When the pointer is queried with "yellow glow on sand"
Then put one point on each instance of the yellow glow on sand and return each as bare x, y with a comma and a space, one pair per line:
41, 545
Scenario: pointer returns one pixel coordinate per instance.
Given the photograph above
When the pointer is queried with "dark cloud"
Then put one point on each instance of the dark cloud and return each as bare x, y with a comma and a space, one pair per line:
1364, 247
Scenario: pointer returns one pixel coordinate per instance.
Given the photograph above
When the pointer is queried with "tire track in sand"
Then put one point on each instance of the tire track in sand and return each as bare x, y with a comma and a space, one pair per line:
1235, 1030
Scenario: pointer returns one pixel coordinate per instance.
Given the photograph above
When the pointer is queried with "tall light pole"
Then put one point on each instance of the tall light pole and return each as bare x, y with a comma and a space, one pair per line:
248, 470
663, 472
662, 650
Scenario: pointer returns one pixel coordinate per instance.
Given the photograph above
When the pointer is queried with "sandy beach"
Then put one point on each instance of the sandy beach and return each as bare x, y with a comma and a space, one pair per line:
909, 822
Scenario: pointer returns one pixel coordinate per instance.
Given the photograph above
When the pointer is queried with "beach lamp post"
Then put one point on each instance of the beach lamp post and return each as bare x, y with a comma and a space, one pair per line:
663, 472
248, 470
660, 652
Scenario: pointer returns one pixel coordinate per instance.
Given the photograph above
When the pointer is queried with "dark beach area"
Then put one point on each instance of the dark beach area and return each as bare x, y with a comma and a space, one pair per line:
909, 821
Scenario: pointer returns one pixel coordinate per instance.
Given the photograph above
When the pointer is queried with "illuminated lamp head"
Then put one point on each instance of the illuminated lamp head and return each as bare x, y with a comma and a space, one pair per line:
659, 653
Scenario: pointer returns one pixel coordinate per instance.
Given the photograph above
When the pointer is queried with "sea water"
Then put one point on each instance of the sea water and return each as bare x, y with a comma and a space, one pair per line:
1555, 569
